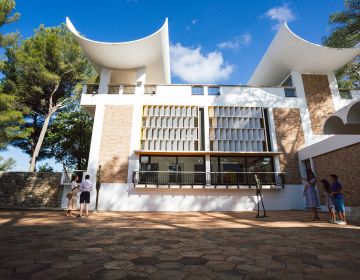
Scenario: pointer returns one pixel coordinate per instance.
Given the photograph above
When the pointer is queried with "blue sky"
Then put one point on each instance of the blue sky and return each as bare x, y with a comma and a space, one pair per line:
223, 40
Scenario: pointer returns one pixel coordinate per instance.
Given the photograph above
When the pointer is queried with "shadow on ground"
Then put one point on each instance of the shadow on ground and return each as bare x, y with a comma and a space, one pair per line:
186, 245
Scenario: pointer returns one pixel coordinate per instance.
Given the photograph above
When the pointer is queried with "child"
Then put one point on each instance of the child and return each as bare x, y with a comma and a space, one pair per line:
337, 198
329, 204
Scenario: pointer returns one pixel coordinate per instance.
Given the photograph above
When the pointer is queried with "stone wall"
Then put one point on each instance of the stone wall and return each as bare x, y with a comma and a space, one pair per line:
290, 138
30, 190
319, 100
345, 163
115, 143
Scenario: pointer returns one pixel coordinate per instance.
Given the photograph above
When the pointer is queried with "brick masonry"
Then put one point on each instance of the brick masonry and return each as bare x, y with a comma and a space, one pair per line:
290, 138
115, 143
319, 100
345, 163
30, 189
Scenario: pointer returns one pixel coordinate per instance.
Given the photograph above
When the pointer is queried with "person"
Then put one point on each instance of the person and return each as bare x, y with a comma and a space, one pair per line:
328, 198
310, 193
72, 195
337, 198
85, 188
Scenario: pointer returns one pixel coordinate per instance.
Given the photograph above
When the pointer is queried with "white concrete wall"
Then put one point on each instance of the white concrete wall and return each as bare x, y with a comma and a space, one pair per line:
119, 197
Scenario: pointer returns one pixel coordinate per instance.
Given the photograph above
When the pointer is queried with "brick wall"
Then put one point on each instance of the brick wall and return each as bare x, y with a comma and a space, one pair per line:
345, 163
115, 143
319, 100
290, 138
30, 189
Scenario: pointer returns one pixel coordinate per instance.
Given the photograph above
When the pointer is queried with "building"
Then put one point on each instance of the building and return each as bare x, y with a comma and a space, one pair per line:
172, 147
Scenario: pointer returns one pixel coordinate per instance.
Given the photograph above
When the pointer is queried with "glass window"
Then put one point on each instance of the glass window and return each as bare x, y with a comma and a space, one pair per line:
259, 164
232, 164
213, 90
197, 90
290, 92
191, 164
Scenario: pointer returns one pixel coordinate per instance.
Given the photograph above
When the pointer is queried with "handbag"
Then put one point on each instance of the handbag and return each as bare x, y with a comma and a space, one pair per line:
69, 195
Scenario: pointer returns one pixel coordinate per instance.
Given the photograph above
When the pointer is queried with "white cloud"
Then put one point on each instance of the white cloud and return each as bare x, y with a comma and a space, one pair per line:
280, 15
236, 43
192, 66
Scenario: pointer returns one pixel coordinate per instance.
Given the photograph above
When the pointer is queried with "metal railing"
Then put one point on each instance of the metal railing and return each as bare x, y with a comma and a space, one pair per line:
113, 89
92, 88
207, 178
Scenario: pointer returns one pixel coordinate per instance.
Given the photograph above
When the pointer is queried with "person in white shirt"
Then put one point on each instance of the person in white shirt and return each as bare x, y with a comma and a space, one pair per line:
72, 195
85, 188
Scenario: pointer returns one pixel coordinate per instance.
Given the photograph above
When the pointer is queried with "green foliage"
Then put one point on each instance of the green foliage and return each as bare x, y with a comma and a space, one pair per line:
11, 121
10, 117
7, 16
345, 33
44, 73
7, 164
45, 168
69, 137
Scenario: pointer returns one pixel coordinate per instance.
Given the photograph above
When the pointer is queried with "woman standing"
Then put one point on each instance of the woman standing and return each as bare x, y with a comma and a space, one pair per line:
329, 203
72, 195
310, 193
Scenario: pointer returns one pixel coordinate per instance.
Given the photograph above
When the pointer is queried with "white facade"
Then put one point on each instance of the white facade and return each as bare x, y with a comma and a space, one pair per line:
242, 128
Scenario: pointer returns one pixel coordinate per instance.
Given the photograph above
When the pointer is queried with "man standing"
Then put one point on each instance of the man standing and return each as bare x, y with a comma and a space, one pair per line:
85, 188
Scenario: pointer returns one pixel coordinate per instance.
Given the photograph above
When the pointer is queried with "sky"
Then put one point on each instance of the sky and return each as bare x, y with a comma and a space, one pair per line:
213, 41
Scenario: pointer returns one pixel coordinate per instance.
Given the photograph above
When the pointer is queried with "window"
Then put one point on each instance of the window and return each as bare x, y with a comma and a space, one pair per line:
213, 90
197, 90
241, 170
345, 94
289, 87
180, 170
290, 92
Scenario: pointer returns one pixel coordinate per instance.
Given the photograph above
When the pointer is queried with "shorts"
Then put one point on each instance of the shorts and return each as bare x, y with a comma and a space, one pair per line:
339, 205
85, 197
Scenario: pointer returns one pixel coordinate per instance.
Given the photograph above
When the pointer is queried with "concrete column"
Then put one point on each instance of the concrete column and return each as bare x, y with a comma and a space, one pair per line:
104, 80
95, 148
206, 129
140, 77
135, 141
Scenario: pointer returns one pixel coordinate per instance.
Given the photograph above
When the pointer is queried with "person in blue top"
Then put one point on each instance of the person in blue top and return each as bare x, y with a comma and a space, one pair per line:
337, 198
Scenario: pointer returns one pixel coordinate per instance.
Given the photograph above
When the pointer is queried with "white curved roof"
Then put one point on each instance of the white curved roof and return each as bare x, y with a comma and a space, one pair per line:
344, 121
289, 52
150, 52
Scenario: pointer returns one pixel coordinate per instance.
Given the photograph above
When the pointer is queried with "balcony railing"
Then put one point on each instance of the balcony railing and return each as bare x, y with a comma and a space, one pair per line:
92, 88
161, 178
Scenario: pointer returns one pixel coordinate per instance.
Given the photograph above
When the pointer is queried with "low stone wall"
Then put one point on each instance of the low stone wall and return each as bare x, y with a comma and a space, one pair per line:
345, 163
30, 189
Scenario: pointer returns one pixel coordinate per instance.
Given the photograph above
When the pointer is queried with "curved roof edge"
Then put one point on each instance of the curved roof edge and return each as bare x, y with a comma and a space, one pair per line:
344, 121
289, 52
151, 51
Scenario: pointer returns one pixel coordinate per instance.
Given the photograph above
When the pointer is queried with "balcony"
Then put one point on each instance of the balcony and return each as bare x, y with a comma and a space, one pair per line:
208, 180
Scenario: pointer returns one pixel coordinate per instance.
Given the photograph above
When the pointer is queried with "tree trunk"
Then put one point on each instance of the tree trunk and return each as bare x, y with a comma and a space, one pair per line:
39, 142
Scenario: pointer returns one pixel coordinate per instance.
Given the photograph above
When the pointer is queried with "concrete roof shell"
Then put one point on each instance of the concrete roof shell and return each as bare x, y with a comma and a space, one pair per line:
151, 51
288, 52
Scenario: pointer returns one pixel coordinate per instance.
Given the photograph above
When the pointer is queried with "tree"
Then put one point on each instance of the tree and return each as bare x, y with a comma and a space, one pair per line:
44, 72
7, 16
11, 118
45, 168
345, 33
7, 164
69, 137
